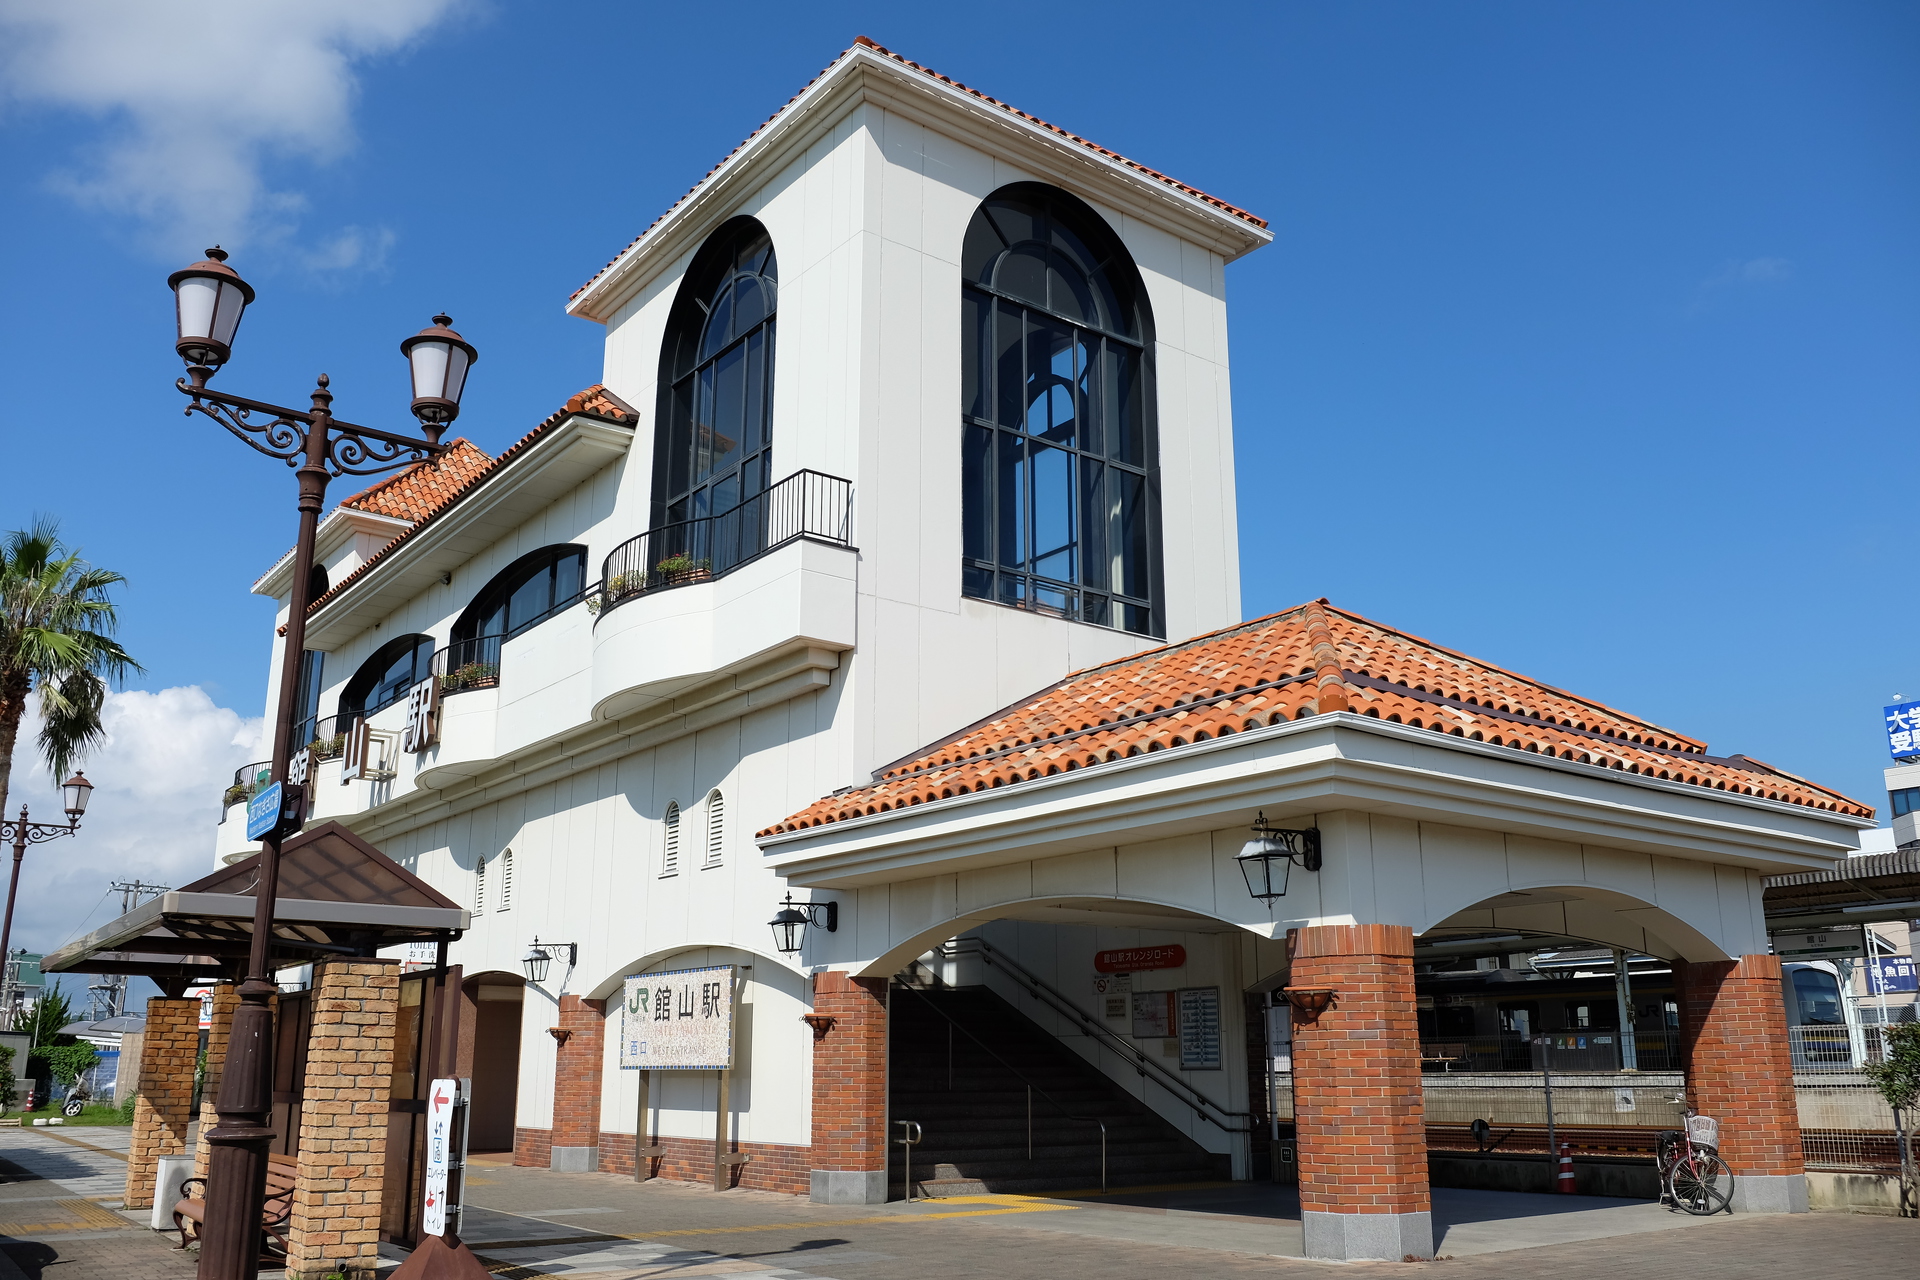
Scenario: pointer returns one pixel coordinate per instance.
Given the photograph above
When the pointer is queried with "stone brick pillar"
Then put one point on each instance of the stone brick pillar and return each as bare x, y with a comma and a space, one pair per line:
849, 1089
226, 998
165, 1106
1357, 1096
578, 1065
343, 1121
1733, 1029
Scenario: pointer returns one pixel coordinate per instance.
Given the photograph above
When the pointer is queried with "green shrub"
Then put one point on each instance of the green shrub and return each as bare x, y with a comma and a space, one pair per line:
126, 1108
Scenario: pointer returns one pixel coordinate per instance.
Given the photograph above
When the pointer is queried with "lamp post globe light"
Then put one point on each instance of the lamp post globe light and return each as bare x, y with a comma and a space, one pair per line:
209, 299
75, 792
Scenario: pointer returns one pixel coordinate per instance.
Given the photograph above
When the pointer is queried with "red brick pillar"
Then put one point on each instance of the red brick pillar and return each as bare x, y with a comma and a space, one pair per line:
849, 1089
1356, 1096
577, 1068
225, 1000
165, 1102
1733, 1029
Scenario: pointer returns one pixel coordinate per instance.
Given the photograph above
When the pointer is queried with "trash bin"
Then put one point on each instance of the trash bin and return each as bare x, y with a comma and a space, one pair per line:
173, 1171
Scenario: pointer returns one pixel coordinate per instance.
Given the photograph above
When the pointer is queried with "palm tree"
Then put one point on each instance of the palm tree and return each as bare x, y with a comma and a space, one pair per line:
56, 637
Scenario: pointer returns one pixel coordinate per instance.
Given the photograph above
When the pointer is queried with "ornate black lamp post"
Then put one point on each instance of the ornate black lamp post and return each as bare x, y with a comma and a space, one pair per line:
210, 298
76, 790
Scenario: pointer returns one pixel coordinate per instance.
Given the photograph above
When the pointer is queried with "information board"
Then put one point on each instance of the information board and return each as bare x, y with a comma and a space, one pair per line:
443, 1139
1199, 1028
1888, 974
1152, 1014
678, 1020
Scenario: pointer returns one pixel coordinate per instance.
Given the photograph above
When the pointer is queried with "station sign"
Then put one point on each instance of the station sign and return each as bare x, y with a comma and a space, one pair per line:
1846, 942
678, 1020
1140, 959
275, 809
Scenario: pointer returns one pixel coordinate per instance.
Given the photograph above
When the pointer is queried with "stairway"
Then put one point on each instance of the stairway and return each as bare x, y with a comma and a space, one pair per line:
974, 1133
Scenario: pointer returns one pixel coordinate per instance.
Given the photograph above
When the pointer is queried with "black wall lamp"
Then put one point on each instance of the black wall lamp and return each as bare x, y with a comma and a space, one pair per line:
540, 955
1274, 848
796, 916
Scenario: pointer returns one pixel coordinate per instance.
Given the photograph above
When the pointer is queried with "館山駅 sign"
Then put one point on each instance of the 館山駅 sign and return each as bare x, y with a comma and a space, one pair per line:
680, 1020
1140, 959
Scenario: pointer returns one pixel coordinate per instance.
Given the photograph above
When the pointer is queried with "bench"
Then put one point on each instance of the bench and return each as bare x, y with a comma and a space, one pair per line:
190, 1213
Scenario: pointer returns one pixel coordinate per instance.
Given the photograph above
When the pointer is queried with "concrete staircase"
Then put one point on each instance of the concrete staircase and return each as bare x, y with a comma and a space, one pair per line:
972, 1106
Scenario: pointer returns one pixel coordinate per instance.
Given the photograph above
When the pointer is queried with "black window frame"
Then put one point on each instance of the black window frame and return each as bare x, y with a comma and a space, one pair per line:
369, 679
701, 344
504, 585
1084, 297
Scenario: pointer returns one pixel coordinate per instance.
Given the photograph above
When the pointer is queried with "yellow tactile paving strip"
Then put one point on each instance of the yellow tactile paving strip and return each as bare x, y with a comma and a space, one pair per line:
72, 1215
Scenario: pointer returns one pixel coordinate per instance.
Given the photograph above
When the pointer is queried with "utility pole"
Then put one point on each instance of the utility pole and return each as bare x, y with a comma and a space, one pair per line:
108, 996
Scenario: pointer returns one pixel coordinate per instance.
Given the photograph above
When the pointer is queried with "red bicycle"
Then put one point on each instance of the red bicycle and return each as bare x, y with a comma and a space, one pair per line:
1692, 1174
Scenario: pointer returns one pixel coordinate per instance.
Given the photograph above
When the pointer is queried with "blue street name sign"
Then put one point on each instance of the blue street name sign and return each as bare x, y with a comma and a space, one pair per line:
263, 812
1903, 729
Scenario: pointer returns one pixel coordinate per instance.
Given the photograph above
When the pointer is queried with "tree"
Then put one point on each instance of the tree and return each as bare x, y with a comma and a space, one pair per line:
1898, 1080
51, 1012
56, 639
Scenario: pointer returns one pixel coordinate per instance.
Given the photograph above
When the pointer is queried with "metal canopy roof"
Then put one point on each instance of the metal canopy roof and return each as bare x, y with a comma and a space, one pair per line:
1868, 889
338, 895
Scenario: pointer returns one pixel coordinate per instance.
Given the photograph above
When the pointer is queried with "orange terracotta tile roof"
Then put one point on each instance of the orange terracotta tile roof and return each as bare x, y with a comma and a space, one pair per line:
1307, 660
862, 42
434, 497
425, 487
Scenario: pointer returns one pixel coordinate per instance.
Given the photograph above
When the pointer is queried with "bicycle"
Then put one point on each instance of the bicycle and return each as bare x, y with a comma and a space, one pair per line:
1692, 1174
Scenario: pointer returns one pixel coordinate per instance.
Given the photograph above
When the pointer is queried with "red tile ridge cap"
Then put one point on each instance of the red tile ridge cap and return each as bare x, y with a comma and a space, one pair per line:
607, 407
863, 42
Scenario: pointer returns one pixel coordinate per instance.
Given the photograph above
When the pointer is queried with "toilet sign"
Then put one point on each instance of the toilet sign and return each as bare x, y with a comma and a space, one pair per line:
446, 1153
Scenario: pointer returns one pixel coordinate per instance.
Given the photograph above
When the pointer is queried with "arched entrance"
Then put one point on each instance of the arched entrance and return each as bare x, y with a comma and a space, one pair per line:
490, 1055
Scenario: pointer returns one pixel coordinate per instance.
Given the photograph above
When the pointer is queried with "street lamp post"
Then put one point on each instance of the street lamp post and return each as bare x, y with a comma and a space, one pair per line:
24, 833
210, 298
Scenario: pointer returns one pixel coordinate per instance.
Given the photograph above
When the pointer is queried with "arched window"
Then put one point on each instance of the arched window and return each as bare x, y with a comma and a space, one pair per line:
716, 828
670, 854
525, 593
713, 448
384, 678
506, 881
480, 885
1060, 499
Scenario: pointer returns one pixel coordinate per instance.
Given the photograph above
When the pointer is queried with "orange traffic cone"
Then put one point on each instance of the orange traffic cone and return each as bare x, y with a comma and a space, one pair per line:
1564, 1183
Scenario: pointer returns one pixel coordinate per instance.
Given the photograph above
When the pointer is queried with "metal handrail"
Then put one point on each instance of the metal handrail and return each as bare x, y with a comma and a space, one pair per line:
1032, 1088
807, 504
1038, 988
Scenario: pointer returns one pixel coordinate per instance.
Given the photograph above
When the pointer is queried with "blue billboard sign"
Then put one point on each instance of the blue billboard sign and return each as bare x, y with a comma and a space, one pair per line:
1903, 729
263, 812
1889, 974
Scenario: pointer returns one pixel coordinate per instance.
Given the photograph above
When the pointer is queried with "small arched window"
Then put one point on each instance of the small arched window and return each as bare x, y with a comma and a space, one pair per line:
522, 595
670, 852
716, 828
480, 885
714, 448
1060, 496
384, 678
506, 881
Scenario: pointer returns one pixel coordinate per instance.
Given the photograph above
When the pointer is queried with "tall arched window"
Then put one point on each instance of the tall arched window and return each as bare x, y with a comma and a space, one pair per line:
670, 853
713, 445
716, 828
528, 591
384, 678
1060, 504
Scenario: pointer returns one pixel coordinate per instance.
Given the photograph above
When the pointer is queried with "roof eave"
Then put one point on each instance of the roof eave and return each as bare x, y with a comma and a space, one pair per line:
340, 524
846, 84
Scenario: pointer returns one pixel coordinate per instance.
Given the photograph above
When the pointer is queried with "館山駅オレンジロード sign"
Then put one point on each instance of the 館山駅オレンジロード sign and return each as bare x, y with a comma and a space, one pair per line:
1140, 959
678, 1020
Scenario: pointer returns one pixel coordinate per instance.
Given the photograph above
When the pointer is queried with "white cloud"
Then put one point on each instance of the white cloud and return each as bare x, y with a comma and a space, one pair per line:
196, 98
155, 805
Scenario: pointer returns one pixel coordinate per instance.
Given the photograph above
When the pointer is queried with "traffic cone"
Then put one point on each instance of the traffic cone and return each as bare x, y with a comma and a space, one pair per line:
1564, 1183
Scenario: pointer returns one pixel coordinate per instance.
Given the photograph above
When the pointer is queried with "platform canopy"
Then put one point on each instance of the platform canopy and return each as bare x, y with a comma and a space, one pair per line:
338, 895
1869, 889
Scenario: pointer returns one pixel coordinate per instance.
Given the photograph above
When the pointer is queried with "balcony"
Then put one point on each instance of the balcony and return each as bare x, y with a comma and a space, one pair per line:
756, 599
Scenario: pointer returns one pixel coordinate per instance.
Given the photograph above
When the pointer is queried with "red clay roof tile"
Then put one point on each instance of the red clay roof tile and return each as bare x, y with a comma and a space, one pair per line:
862, 42
1307, 660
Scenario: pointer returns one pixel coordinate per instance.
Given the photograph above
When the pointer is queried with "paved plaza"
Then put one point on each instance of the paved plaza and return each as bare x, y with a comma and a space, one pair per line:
59, 1190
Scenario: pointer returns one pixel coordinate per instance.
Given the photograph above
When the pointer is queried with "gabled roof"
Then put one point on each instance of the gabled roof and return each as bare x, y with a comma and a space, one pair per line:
456, 476
1307, 660
425, 487
863, 43
330, 864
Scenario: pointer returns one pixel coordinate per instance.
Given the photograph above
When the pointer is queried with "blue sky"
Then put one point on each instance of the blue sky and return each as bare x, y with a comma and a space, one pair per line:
1586, 343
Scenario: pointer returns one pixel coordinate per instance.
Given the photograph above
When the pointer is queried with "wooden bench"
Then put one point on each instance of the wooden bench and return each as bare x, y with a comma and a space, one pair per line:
190, 1214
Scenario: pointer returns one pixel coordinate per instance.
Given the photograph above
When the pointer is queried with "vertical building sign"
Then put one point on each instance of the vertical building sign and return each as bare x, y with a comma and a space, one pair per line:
1199, 1009
679, 1020
423, 716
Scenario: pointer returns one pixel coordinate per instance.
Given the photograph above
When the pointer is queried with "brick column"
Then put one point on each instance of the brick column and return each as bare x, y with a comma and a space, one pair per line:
343, 1121
1357, 1099
1733, 1028
577, 1067
165, 1105
850, 1090
225, 1000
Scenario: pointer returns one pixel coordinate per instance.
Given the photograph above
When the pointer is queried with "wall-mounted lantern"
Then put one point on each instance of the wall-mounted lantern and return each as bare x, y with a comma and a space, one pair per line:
540, 955
1268, 857
794, 917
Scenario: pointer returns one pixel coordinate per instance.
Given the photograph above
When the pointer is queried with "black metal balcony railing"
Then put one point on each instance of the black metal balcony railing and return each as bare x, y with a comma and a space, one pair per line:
468, 664
807, 504
249, 780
